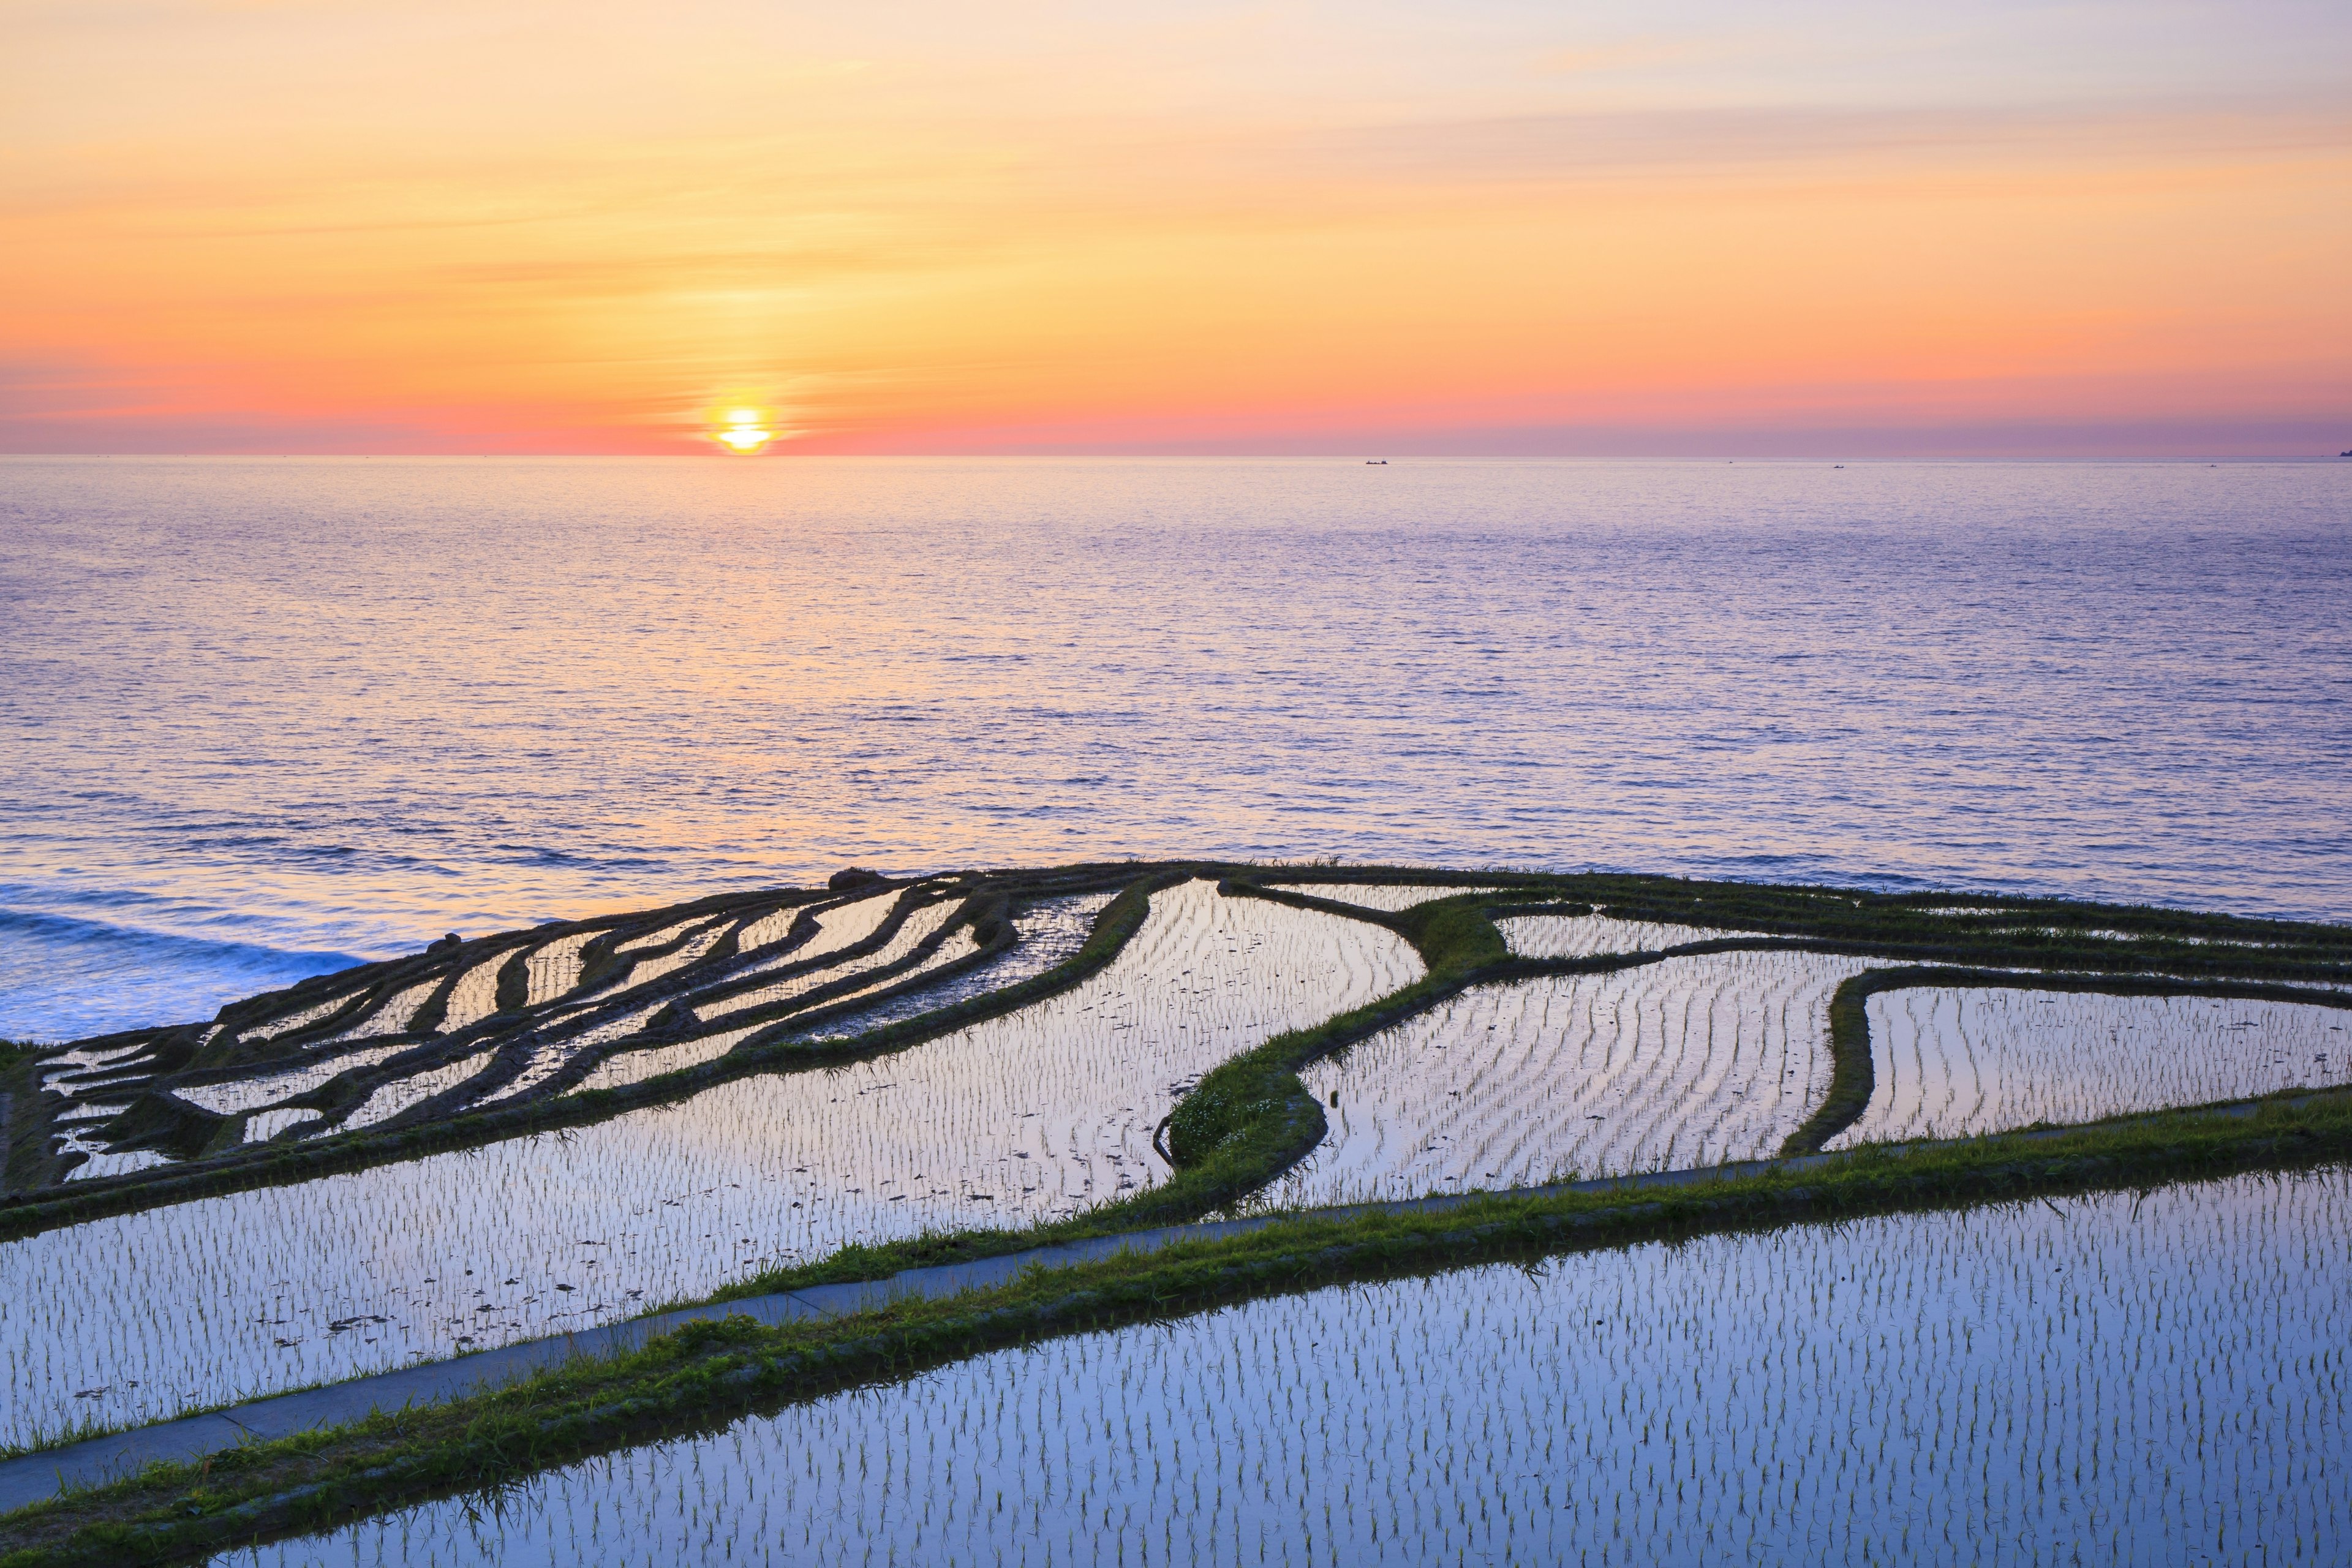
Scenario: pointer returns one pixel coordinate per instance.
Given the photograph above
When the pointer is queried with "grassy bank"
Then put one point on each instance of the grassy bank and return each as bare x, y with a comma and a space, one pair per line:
708, 1376
1252, 1118
1852, 1071
774, 1049
1243, 1125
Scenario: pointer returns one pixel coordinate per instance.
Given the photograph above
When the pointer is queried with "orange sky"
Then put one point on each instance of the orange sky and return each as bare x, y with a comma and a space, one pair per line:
288, 225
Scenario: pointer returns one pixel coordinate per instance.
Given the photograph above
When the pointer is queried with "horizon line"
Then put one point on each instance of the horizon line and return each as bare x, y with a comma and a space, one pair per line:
1371, 455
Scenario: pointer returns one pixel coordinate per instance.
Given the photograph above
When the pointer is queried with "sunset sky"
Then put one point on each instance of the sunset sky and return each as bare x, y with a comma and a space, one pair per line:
295, 226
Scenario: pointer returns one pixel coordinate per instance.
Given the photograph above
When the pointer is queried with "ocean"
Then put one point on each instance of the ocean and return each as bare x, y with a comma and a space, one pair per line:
263, 718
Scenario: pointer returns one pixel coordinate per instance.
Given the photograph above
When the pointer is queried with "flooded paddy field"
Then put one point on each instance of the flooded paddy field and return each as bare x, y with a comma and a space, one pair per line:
532, 1016
1389, 898
1045, 933
563, 1188
1025, 1117
2120, 1379
1587, 936
538, 1019
1688, 1061
1952, 1062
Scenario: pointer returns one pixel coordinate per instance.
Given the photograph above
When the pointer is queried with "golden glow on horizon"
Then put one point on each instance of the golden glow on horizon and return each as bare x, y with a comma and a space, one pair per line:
1207, 228
746, 433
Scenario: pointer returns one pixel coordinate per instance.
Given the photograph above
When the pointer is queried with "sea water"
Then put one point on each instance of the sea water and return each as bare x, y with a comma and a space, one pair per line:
259, 717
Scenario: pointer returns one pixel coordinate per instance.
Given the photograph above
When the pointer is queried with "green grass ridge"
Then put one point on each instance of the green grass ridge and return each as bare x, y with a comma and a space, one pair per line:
706, 1376
1245, 1123
25, 1212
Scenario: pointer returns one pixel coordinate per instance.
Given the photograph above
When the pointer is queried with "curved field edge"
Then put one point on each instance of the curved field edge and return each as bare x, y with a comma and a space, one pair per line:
1264, 1119
706, 1376
1854, 1074
1252, 1119
28, 1213
1247, 1122
1254, 1125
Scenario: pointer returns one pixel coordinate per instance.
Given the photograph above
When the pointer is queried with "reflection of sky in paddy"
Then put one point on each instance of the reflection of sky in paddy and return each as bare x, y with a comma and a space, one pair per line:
1017, 1118
2123, 1380
1687, 1061
1951, 1063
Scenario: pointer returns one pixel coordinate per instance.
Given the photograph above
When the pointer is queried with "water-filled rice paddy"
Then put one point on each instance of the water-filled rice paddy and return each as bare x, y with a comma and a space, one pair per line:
554, 970
1389, 898
390, 1100
959, 945
645, 971
844, 925
268, 1088
917, 927
474, 996
1687, 1061
298, 1019
104, 1162
636, 1067
1585, 936
539, 1035
392, 1018
1017, 1118
1046, 933
2119, 1379
1954, 1062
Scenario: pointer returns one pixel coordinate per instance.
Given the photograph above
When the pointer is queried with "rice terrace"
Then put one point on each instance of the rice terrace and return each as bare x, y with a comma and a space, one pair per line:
1208, 1212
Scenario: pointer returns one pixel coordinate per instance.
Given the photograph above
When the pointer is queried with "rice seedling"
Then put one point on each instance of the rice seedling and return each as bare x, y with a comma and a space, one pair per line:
2125, 1379
917, 927
1044, 934
474, 996
844, 925
1389, 898
390, 1100
1688, 1061
554, 969
1584, 936
1951, 1062
1032, 1114
392, 1018
300, 1019
239, 1095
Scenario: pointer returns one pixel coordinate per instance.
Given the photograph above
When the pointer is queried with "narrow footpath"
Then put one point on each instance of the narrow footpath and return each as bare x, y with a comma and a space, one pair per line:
32, 1477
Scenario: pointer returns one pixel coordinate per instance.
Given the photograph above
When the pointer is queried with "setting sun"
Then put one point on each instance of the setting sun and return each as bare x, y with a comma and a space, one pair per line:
745, 432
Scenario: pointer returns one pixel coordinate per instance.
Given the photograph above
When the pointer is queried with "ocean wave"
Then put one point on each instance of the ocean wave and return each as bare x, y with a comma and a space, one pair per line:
64, 976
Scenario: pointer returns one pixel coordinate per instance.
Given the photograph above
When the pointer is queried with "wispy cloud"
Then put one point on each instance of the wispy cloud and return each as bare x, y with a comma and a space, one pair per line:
507, 226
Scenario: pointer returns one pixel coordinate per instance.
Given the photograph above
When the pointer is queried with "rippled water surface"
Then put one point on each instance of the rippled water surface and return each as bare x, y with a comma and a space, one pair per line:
2130, 1380
261, 716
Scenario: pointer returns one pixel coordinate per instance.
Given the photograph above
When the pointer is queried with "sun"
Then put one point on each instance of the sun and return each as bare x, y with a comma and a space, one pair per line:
744, 433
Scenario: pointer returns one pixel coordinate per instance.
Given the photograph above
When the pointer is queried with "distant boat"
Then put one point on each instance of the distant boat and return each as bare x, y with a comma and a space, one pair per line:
1383, 462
